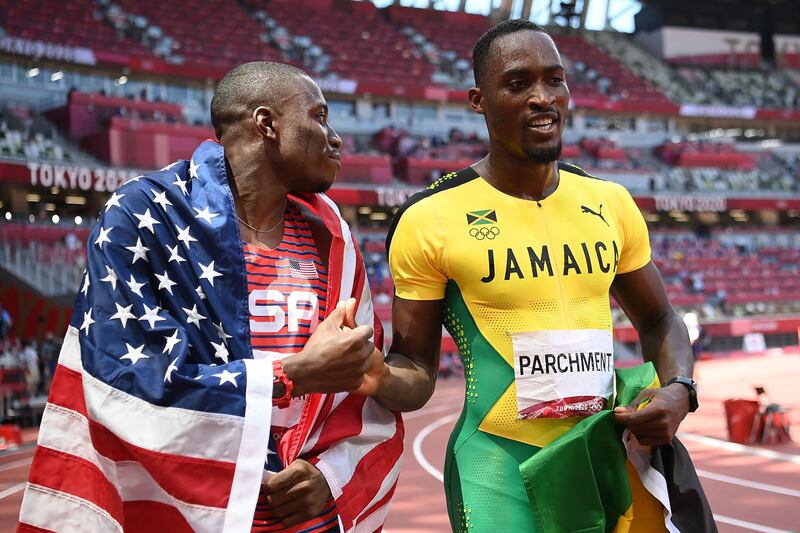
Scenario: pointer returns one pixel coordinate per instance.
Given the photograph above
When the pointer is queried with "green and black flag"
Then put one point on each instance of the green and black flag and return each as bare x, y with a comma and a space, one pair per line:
580, 481
482, 217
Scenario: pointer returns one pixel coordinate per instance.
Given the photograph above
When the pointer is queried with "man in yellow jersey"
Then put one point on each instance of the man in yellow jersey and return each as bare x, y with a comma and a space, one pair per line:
516, 256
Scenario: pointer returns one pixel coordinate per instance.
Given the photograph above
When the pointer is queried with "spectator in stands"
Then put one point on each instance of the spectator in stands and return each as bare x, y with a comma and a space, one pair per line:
29, 361
5, 323
48, 358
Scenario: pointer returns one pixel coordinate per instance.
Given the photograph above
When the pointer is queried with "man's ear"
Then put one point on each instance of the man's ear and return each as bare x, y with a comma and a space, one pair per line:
476, 100
263, 117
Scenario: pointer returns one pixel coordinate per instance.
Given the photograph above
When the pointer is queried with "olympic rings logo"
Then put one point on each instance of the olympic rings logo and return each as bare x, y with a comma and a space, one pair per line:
484, 232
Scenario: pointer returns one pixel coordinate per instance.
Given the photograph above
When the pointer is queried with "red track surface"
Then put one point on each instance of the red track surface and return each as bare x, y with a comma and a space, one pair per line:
747, 491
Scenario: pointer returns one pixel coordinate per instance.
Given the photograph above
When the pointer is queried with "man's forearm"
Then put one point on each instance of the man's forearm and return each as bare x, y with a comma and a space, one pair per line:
408, 387
666, 344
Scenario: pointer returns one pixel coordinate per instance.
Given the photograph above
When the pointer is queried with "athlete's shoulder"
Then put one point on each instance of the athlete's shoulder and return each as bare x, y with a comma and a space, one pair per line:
434, 192
433, 197
581, 173
590, 180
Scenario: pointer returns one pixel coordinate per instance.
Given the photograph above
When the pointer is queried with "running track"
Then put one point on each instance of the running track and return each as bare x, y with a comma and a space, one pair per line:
750, 488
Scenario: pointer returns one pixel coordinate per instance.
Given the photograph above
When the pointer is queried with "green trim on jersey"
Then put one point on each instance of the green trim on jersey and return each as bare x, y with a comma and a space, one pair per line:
484, 475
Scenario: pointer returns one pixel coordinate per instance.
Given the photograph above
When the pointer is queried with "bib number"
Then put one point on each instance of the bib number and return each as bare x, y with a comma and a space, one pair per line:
563, 373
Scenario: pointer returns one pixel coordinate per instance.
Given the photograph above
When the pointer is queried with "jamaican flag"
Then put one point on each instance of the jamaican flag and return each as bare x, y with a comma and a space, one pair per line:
590, 481
482, 217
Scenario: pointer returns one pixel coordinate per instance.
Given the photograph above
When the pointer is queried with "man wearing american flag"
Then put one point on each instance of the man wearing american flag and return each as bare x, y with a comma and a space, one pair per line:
216, 373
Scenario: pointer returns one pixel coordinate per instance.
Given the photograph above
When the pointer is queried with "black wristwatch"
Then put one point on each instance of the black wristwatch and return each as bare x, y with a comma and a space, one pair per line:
691, 385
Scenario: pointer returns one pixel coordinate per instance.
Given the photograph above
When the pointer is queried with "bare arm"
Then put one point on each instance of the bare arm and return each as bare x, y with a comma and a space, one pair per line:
413, 360
665, 342
662, 332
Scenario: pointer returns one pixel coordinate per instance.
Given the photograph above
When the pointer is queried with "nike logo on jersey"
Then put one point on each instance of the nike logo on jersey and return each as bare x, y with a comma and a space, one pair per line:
585, 209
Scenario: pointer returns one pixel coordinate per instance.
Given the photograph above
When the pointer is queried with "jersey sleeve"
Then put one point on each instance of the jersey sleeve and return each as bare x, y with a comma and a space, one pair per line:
416, 250
635, 251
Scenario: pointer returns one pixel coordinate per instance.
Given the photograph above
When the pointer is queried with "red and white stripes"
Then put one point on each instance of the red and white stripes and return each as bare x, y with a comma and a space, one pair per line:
160, 468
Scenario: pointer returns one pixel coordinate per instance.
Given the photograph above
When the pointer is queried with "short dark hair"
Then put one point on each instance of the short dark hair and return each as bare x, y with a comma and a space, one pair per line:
480, 53
245, 87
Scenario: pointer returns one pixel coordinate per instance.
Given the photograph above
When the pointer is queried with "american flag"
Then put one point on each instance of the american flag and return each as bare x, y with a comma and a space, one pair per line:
299, 268
158, 417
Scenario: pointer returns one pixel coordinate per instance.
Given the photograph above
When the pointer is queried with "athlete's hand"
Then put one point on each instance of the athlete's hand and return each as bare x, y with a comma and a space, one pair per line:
657, 422
297, 493
378, 372
335, 358
377, 375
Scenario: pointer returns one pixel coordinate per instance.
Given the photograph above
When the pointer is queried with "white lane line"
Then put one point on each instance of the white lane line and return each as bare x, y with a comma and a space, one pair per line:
10, 491
430, 410
749, 484
15, 464
421, 436
748, 525
741, 448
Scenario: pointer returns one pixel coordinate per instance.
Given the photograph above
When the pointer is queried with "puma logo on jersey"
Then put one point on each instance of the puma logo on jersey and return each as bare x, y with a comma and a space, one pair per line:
585, 209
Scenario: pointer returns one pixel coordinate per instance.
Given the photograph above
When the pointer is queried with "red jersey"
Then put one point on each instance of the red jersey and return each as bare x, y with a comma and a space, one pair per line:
287, 298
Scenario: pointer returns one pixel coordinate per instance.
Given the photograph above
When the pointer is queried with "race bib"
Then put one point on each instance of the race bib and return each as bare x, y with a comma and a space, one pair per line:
563, 373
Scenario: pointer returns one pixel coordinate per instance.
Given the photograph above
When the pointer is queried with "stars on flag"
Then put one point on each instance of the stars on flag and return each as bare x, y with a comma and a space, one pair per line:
181, 184
165, 283
221, 332
111, 277
86, 283
139, 251
208, 272
135, 286
146, 221
205, 214
113, 200
87, 321
103, 237
172, 340
123, 314
193, 169
221, 352
227, 377
151, 316
170, 369
194, 317
161, 199
134, 354
200, 293
183, 235
174, 255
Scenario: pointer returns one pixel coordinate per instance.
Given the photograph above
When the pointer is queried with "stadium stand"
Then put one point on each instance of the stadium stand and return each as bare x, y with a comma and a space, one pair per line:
26, 136
626, 124
50, 258
377, 52
766, 88
96, 92
711, 85
236, 37
716, 155
77, 24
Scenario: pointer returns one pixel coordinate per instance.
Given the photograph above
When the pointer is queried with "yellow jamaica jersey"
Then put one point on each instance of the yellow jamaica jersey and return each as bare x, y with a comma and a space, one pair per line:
504, 265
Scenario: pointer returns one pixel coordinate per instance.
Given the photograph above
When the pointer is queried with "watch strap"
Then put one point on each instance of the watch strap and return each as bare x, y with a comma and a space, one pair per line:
691, 386
282, 386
